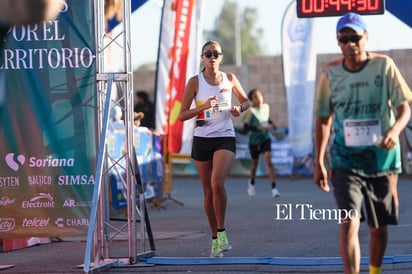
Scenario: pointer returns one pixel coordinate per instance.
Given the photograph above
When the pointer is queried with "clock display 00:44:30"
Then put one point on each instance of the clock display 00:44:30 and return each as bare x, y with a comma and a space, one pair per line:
323, 8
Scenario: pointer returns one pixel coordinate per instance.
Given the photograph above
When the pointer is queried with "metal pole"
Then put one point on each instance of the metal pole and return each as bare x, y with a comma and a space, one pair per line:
99, 234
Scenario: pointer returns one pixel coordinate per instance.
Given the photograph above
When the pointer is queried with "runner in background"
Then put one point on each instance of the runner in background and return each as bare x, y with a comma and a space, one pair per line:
257, 122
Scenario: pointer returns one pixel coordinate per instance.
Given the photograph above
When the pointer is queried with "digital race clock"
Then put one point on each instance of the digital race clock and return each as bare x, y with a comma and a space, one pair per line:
321, 8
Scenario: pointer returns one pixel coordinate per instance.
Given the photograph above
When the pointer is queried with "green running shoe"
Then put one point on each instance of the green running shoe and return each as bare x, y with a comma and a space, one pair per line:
223, 241
215, 251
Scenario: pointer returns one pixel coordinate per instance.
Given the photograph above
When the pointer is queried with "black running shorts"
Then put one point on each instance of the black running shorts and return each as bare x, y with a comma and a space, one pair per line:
351, 190
255, 150
203, 148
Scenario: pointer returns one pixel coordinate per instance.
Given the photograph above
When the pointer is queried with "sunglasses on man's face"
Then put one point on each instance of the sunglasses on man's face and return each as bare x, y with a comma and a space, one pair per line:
209, 54
352, 38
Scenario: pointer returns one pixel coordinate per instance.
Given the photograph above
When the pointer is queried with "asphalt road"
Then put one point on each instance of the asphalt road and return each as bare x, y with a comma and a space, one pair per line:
269, 235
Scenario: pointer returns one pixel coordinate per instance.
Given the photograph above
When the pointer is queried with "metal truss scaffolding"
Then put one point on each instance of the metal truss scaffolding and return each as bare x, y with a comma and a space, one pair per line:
102, 235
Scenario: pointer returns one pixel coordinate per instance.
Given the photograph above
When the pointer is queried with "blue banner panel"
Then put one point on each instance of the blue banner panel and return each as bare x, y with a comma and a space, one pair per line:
147, 147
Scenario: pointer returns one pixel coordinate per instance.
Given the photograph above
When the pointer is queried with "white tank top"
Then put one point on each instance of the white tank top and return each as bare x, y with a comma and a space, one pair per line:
216, 122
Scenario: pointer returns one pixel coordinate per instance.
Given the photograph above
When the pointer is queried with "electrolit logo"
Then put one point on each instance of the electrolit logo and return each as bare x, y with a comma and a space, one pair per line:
43, 200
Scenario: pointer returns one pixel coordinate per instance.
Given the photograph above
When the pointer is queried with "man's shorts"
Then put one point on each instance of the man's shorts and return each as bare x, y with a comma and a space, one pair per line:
351, 190
203, 148
255, 150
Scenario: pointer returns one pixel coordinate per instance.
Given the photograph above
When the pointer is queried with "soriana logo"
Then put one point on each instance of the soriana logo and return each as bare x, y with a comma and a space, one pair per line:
16, 161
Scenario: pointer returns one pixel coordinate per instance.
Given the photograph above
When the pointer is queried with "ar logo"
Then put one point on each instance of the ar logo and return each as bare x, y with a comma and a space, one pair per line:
15, 162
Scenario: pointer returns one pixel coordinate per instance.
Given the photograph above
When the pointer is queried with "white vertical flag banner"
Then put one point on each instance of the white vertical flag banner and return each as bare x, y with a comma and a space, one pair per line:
299, 68
178, 60
163, 65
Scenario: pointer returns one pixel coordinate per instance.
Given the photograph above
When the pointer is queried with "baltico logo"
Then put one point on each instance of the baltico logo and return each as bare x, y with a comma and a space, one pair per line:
15, 162
42, 200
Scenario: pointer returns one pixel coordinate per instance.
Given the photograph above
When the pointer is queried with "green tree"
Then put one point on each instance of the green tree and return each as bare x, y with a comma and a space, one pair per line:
225, 31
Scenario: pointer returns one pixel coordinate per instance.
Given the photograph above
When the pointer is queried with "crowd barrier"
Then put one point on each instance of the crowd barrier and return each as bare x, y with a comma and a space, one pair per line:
283, 159
149, 156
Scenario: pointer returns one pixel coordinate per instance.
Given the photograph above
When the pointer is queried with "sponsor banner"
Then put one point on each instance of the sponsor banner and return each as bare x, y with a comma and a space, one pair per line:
48, 125
282, 157
148, 152
163, 65
179, 43
299, 67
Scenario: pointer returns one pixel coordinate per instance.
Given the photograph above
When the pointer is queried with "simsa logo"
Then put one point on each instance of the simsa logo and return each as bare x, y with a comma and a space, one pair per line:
69, 180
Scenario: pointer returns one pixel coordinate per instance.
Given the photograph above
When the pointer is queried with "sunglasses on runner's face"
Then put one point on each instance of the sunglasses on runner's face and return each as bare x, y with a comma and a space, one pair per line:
209, 54
352, 38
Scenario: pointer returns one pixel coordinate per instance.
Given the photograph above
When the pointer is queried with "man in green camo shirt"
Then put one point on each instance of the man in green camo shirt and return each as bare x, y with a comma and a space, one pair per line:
365, 98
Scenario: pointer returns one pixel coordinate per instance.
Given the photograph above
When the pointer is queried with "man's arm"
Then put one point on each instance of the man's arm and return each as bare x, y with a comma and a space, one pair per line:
322, 133
403, 115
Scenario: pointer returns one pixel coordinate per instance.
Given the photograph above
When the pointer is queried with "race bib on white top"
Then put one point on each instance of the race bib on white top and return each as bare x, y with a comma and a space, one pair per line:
218, 112
362, 132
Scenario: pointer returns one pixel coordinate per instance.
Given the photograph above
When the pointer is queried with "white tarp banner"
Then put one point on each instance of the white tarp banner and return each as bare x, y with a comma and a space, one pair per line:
178, 60
299, 67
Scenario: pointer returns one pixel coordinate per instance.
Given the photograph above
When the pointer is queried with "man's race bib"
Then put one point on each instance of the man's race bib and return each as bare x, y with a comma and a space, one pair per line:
362, 132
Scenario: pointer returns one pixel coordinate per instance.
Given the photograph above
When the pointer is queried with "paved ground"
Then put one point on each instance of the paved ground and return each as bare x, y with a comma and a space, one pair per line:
268, 235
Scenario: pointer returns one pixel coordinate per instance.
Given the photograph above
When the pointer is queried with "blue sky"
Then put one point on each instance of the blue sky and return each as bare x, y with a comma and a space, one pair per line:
385, 31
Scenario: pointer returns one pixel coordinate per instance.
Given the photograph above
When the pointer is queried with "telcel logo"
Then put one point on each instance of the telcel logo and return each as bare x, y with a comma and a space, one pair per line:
35, 222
